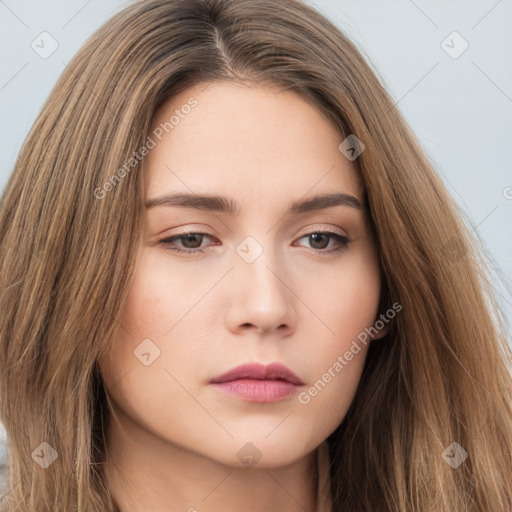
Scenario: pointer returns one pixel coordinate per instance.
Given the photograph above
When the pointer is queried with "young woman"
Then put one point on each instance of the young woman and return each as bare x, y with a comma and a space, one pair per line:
231, 279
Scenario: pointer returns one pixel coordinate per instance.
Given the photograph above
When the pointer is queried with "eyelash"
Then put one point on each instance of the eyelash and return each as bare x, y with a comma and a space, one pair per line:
344, 241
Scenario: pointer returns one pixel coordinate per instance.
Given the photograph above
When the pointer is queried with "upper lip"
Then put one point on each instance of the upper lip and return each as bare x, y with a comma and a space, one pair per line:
257, 371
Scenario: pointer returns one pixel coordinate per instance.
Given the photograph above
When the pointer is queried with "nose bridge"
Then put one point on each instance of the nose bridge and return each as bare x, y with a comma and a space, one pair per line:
262, 293
258, 262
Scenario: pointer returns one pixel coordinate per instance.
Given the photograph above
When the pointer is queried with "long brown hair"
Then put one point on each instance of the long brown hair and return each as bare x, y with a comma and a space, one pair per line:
69, 244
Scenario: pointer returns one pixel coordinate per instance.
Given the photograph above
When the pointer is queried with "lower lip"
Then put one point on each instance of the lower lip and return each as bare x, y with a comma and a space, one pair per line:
258, 390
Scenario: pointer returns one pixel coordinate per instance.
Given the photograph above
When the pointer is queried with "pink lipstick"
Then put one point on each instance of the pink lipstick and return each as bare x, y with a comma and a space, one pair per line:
255, 382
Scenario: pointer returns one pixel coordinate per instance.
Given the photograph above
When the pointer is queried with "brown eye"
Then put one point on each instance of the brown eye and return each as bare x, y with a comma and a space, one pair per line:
190, 242
320, 240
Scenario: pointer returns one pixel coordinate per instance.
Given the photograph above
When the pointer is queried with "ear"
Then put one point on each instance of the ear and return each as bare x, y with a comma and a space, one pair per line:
382, 332
382, 325
383, 320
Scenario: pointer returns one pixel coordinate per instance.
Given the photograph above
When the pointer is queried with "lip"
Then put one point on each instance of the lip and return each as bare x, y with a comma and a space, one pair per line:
255, 382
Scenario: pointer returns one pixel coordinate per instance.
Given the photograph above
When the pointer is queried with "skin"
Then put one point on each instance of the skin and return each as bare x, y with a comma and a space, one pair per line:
173, 439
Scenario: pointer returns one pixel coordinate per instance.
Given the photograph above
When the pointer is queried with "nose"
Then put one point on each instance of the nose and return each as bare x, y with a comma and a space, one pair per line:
261, 297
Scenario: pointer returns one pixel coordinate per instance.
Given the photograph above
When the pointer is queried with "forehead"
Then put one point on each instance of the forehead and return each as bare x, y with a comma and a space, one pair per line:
259, 143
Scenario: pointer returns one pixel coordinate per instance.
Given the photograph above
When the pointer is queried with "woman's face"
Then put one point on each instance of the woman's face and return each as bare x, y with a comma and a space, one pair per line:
256, 286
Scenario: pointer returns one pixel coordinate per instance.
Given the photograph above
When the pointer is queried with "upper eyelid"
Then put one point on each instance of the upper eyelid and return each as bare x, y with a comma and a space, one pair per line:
328, 231
310, 229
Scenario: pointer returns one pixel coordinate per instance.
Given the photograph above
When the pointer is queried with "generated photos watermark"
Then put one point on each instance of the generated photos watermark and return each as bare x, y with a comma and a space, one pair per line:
342, 360
150, 143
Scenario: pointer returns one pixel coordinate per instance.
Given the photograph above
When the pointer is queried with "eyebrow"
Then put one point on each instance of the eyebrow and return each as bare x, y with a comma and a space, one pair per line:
220, 204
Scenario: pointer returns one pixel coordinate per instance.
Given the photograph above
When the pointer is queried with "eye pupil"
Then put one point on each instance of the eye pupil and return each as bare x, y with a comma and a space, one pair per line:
313, 237
190, 238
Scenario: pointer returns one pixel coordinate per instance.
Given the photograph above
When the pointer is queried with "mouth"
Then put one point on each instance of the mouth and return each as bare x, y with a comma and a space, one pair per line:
258, 383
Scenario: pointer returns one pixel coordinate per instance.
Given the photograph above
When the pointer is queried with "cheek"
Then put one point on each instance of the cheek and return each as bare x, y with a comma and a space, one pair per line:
158, 316
162, 296
324, 402
344, 295
347, 305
